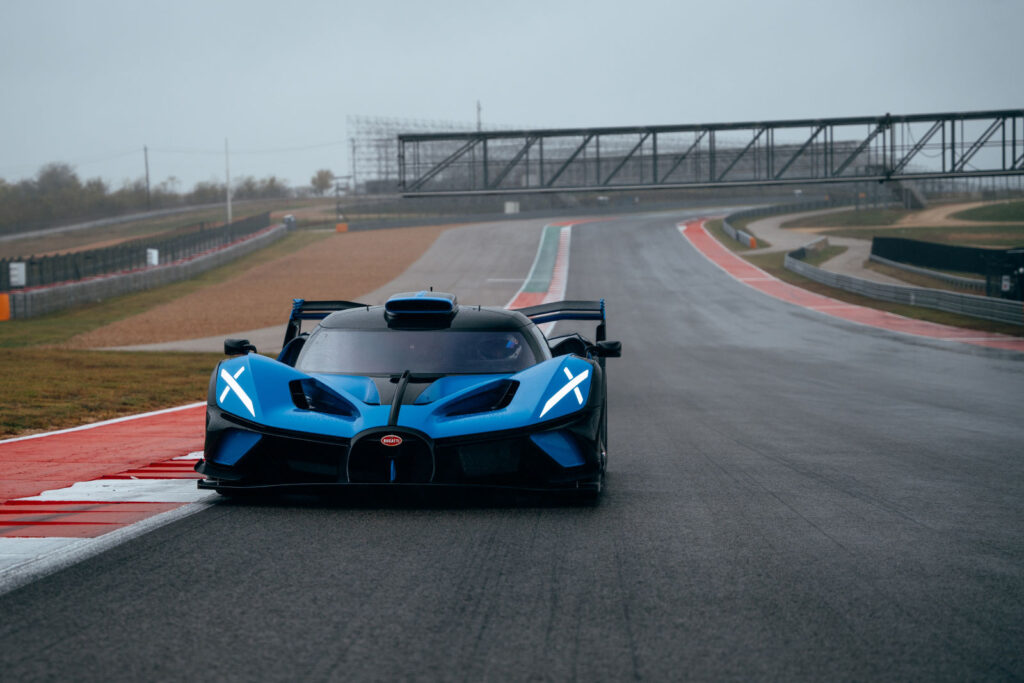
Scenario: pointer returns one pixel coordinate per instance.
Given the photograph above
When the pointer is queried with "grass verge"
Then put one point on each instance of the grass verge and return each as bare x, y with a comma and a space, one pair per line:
918, 279
988, 236
744, 225
772, 264
853, 217
1005, 211
816, 257
715, 228
46, 389
59, 327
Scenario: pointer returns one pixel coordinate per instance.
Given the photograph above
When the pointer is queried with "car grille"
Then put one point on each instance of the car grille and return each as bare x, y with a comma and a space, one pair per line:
371, 462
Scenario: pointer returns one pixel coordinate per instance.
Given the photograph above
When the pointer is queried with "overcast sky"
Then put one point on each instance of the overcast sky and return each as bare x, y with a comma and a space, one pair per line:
91, 82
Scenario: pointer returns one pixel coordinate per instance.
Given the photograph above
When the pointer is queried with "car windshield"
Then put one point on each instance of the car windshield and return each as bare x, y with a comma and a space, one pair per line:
391, 352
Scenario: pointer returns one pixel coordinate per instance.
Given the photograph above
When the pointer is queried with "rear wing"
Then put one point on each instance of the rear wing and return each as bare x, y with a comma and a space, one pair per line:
312, 310
568, 310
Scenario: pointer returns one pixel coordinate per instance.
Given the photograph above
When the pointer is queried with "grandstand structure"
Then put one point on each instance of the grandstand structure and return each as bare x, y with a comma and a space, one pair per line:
373, 147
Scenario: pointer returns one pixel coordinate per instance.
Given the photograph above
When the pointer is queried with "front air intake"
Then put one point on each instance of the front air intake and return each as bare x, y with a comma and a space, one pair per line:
421, 303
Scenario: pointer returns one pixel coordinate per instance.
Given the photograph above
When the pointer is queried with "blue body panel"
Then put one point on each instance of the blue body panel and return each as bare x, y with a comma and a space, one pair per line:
256, 389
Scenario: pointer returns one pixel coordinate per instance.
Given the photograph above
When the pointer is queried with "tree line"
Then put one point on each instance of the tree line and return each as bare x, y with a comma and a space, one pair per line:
57, 195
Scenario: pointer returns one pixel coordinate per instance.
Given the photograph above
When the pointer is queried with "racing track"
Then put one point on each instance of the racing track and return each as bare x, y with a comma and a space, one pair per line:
790, 496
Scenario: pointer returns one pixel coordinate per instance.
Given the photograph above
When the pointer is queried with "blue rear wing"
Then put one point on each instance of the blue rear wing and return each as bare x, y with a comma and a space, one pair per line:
313, 310
568, 310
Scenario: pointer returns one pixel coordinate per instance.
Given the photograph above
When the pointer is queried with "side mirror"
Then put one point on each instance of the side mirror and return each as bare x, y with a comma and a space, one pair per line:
237, 347
569, 345
608, 349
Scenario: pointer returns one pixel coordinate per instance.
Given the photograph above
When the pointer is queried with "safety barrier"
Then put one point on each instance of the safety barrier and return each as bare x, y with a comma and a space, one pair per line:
749, 240
1001, 310
127, 256
36, 301
971, 283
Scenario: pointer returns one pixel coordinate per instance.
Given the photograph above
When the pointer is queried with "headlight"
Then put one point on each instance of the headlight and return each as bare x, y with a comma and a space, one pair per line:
309, 394
493, 397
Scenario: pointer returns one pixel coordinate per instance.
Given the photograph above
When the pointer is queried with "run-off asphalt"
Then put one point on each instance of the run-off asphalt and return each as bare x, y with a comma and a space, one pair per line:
789, 496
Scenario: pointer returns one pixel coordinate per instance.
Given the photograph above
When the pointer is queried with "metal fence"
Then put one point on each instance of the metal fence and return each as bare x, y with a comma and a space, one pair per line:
1001, 310
128, 256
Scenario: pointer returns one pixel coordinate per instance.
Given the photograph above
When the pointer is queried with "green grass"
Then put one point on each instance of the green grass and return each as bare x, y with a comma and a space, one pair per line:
1005, 211
816, 257
919, 279
46, 389
60, 327
844, 219
744, 225
715, 228
989, 236
772, 263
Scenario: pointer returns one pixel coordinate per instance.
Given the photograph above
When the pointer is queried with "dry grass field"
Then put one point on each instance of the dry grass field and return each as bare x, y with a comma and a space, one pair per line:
340, 266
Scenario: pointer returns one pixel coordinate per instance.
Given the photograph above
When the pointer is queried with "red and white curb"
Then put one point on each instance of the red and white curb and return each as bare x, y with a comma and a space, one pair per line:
752, 276
44, 532
554, 283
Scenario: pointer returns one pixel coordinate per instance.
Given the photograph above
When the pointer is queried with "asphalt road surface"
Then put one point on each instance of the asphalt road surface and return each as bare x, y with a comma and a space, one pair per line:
789, 497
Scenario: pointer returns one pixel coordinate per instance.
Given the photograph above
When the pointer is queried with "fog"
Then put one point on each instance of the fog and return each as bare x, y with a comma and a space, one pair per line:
91, 84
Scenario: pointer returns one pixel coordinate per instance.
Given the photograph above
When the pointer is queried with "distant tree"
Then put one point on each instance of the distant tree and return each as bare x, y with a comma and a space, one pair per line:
246, 187
207, 192
273, 188
57, 178
321, 181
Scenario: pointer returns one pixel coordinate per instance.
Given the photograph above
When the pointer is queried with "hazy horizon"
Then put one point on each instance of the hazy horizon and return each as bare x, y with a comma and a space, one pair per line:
90, 84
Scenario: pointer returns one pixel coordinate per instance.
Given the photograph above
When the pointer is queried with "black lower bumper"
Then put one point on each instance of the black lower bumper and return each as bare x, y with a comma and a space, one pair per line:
242, 456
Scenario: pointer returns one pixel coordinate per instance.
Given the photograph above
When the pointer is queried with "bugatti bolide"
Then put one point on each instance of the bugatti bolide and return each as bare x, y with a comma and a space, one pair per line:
420, 391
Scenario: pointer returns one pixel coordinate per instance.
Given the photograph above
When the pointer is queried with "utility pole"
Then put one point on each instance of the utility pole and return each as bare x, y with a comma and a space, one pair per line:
145, 155
479, 125
353, 141
227, 174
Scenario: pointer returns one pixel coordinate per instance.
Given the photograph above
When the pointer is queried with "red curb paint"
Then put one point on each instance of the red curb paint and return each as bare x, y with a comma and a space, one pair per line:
30, 466
753, 276
48, 519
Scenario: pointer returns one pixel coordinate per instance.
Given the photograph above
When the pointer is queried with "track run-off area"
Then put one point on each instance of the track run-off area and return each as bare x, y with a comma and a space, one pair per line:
793, 493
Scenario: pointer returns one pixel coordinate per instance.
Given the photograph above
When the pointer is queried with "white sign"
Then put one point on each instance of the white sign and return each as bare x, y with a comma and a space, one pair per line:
1006, 283
19, 275
152, 257
511, 207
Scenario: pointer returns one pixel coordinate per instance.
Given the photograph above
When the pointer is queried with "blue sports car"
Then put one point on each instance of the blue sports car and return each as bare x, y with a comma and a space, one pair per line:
420, 391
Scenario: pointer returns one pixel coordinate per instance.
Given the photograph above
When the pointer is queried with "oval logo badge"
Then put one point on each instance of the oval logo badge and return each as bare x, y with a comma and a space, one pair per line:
391, 440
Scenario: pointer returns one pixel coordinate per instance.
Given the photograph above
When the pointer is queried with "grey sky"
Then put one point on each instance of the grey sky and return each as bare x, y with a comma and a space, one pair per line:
90, 83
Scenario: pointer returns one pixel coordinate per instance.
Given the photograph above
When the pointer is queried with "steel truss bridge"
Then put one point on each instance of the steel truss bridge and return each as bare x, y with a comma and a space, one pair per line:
805, 151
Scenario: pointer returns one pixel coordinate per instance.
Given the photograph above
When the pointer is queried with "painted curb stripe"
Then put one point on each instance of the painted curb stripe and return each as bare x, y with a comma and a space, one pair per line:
548, 276
42, 533
754, 277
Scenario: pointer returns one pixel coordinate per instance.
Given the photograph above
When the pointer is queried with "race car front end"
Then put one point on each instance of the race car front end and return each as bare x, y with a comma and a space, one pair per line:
271, 425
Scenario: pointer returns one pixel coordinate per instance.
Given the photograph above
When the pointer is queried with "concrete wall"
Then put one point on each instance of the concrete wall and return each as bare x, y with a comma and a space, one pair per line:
29, 303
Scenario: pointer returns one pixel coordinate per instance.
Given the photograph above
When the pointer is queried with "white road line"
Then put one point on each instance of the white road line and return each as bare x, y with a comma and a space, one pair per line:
128, 491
